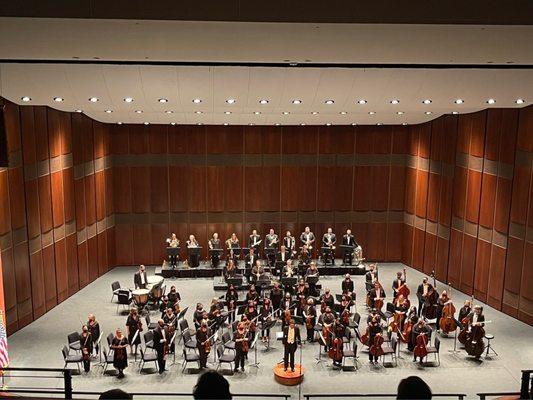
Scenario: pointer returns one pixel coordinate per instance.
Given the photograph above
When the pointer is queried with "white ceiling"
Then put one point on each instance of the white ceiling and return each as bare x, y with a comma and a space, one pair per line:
247, 85
182, 41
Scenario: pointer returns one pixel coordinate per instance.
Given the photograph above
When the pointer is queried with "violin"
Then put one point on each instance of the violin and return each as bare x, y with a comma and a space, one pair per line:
421, 345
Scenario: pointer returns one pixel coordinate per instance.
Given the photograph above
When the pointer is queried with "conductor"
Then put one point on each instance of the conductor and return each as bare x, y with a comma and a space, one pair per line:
291, 340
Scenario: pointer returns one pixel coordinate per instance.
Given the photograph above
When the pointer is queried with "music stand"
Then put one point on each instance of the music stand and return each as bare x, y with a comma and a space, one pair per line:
215, 254
266, 326
298, 319
326, 252
194, 252
254, 345
182, 314
236, 281
245, 251
241, 309
236, 252
270, 254
346, 249
173, 254
288, 281
312, 279
278, 266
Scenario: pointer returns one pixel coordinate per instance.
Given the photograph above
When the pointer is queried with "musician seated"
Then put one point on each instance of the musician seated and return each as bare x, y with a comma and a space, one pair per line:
283, 254
476, 318
257, 271
373, 313
252, 295
254, 241
328, 298
229, 271
346, 302
465, 310
349, 241
250, 260
347, 285
377, 293
312, 270
169, 318
232, 243
305, 256
140, 279
173, 296
288, 270
419, 328
328, 241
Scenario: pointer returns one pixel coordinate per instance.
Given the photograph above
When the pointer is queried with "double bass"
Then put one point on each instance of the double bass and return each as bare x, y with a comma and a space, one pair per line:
474, 344
430, 303
447, 322
403, 290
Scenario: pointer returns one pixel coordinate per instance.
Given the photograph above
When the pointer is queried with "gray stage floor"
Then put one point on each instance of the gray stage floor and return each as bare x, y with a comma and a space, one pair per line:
39, 345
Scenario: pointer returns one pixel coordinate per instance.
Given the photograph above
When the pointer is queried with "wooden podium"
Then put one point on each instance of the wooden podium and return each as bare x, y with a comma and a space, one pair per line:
289, 378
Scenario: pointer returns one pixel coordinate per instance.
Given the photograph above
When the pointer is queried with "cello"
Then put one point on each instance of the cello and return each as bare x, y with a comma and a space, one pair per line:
421, 346
447, 322
376, 349
430, 304
404, 290
335, 351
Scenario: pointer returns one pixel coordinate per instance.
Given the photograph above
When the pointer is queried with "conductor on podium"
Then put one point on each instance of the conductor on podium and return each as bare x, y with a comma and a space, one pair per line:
291, 340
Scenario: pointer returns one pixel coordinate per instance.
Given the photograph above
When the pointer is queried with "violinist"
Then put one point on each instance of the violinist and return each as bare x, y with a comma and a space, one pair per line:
241, 346
328, 298
134, 324
252, 295
230, 271
251, 311
375, 340
465, 310
347, 285
231, 301
309, 314
173, 296
120, 354
419, 328
198, 315
397, 283
275, 297
265, 316
86, 342
377, 294
161, 339
202, 344
214, 309
164, 305
171, 323
422, 293
94, 330
291, 340
327, 319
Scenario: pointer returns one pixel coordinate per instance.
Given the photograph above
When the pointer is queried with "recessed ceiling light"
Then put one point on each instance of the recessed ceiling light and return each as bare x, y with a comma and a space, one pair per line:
227, 112
197, 101
147, 123
371, 112
230, 101
198, 112
343, 113
139, 111
257, 112
93, 99
199, 123
119, 122
314, 112
297, 101
459, 101
251, 124
329, 101
58, 99
79, 111
395, 101
491, 101
400, 113
518, 101
328, 124
379, 123
226, 124
263, 101
285, 113
354, 124
426, 101
109, 111
302, 124
169, 112
428, 113
128, 99
404, 123
162, 100
277, 124
172, 123
362, 101
25, 99
455, 112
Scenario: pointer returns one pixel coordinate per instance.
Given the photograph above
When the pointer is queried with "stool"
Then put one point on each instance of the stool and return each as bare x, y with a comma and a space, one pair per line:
489, 337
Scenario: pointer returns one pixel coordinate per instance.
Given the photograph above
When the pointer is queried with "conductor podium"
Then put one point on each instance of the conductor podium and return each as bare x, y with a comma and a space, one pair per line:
289, 378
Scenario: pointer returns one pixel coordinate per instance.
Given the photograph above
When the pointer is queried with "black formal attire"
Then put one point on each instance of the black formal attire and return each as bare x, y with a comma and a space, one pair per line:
373, 330
305, 259
264, 314
229, 273
201, 337
329, 256
310, 322
347, 286
231, 301
276, 294
163, 307
252, 296
472, 319
140, 280
249, 262
282, 259
240, 354
290, 243
370, 277
120, 355
421, 295
173, 298
464, 312
215, 256
197, 317
271, 243
417, 330
396, 284
133, 327
374, 295
307, 237
329, 300
312, 285
161, 340
347, 256
86, 350
290, 348
94, 329
253, 243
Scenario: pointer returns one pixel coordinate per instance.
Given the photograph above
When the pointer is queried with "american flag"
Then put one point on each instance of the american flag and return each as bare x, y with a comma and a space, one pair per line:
4, 356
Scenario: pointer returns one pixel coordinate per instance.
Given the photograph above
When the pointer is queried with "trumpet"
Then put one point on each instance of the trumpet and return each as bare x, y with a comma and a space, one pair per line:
330, 244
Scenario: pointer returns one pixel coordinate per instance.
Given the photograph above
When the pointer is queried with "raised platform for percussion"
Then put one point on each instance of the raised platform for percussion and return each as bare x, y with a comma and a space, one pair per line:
289, 378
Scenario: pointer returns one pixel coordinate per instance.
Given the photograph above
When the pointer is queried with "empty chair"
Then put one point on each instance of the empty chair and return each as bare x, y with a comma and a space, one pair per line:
115, 287
356, 319
110, 340
224, 358
350, 353
151, 325
435, 350
147, 358
149, 340
188, 341
390, 350
347, 338
390, 311
108, 359
190, 357
124, 299
184, 326
227, 342
74, 341
71, 358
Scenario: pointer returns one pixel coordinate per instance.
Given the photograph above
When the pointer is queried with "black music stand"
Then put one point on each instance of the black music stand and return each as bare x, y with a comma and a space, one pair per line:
245, 251
312, 279
267, 326
270, 254
194, 256
346, 250
287, 281
173, 256
327, 253
236, 281
214, 256
278, 267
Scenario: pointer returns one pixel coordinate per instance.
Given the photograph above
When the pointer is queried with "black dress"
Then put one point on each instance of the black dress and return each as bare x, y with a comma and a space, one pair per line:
120, 355
133, 325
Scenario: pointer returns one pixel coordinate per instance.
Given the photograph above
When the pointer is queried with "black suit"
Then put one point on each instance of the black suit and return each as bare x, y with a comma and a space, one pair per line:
347, 255
325, 243
347, 286
290, 348
396, 285
137, 281
159, 345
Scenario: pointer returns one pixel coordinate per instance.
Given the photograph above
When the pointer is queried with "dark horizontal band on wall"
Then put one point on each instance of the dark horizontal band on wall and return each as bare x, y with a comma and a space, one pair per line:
480, 164
262, 217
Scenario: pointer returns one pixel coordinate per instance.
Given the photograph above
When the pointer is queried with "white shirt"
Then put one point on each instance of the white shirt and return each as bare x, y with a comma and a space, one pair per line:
142, 278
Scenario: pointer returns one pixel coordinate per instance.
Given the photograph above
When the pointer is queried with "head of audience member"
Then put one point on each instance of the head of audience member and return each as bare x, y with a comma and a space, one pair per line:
413, 387
211, 385
115, 394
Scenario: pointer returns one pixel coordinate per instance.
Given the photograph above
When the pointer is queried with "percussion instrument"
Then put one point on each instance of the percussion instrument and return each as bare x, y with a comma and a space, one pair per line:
140, 296
153, 280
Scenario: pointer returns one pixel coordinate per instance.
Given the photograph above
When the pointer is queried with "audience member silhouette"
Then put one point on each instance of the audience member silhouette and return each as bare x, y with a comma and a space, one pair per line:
115, 394
413, 387
211, 385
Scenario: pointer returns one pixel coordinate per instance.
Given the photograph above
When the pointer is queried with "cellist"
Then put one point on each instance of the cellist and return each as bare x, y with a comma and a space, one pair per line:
377, 296
442, 300
375, 340
465, 310
418, 329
